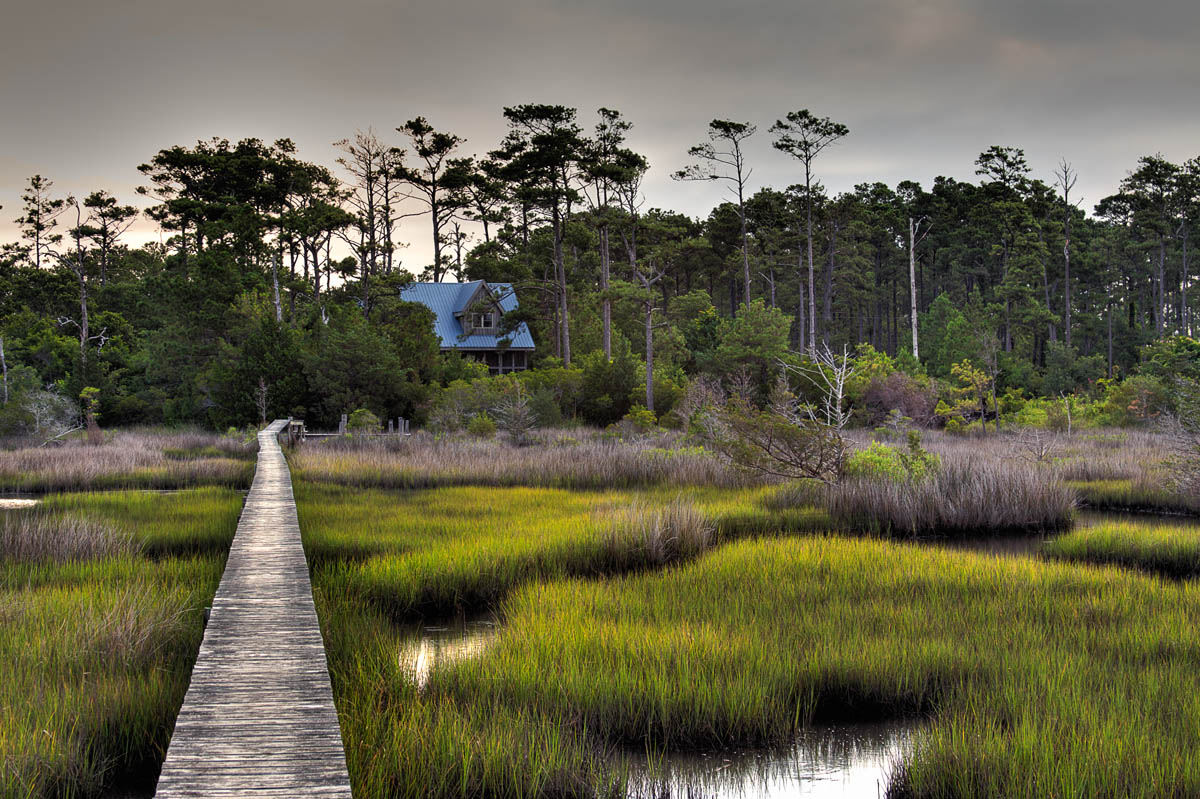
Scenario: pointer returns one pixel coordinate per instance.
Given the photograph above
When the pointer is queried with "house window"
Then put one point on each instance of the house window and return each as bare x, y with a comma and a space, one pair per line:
481, 321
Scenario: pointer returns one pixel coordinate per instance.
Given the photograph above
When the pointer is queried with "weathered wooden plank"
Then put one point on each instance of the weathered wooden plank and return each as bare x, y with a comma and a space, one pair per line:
258, 719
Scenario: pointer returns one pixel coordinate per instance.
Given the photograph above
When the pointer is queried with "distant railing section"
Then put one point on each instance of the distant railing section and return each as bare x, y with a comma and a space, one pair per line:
295, 431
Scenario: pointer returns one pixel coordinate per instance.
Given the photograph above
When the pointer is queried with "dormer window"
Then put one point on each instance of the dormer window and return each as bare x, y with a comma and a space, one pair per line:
481, 321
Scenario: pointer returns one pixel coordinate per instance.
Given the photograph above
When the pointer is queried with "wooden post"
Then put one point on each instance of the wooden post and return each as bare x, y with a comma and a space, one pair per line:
342, 425
389, 427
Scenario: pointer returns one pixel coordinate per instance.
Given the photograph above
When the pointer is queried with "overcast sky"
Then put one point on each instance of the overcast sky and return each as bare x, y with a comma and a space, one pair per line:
92, 89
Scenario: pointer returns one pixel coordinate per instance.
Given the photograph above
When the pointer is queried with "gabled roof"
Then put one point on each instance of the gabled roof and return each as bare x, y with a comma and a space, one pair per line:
447, 300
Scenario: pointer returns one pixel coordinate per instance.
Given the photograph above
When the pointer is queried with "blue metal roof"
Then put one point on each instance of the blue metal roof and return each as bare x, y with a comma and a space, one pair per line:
446, 299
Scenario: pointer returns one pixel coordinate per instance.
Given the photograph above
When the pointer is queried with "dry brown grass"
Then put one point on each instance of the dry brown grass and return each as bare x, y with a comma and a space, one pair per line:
558, 461
966, 496
134, 459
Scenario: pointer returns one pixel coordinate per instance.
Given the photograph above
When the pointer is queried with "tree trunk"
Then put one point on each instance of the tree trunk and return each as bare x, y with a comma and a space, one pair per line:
912, 285
1159, 320
1067, 281
605, 301
1184, 327
1051, 330
561, 274
4, 369
649, 353
275, 281
1110, 342
812, 294
745, 241
437, 241
827, 310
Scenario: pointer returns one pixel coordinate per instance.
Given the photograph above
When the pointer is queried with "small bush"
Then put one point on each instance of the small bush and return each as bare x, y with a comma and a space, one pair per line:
363, 421
640, 419
884, 462
481, 426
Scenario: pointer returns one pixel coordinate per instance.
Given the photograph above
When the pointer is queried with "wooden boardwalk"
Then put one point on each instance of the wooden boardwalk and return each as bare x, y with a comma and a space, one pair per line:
258, 719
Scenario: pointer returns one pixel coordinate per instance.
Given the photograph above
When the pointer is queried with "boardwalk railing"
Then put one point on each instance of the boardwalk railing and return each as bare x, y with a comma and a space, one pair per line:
258, 719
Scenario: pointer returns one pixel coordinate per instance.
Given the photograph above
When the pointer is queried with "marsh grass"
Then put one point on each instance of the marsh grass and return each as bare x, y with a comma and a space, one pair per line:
1151, 493
593, 463
129, 460
438, 552
1168, 548
31, 537
1043, 679
966, 496
643, 534
97, 638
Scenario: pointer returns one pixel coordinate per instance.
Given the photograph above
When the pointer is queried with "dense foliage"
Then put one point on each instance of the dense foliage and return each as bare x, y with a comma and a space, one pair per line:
275, 289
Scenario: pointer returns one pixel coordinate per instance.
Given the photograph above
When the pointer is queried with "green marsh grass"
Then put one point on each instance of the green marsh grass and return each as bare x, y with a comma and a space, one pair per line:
435, 552
1169, 548
1149, 494
96, 642
1041, 679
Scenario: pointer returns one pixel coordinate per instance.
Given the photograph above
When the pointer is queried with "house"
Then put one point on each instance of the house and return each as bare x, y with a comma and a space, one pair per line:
469, 320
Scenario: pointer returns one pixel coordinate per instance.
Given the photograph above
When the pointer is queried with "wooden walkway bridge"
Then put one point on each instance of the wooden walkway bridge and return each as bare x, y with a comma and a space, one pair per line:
258, 719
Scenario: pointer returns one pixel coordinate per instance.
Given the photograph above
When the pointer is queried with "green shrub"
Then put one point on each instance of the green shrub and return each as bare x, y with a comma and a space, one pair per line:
481, 426
1137, 400
363, 421
640, 419
884, 462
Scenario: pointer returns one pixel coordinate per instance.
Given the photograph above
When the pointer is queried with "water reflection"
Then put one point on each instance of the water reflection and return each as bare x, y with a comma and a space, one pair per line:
18, 503
422, 647
856, 760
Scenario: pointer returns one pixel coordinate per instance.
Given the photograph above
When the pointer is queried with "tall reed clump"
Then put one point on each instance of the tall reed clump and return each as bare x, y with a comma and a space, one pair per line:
35, 536
644, 535
965, 496
1169, 549
98, 632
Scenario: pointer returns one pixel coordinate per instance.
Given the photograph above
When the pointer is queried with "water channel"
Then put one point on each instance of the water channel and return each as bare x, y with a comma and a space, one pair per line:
838, 760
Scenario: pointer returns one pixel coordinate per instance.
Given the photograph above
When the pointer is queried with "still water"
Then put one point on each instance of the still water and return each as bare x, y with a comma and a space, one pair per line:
842, 761
855, 760
422, 647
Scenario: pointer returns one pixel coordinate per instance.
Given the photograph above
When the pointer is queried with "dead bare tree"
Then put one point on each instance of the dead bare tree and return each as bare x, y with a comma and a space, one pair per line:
78, 267
1036, 445
1066, 178
4, 368
915, 236
829, 373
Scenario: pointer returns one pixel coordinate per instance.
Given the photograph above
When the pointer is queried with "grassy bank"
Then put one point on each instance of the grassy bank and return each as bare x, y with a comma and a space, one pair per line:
101, 600
435, 552
1043, 680
130, 460
1145, 494
1162, 547
1046, 679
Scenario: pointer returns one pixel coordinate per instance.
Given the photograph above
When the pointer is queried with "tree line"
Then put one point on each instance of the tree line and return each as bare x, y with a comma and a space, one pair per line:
276, 288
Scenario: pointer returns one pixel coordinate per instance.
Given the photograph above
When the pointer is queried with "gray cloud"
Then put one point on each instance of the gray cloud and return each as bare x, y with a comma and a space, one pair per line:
90, 90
